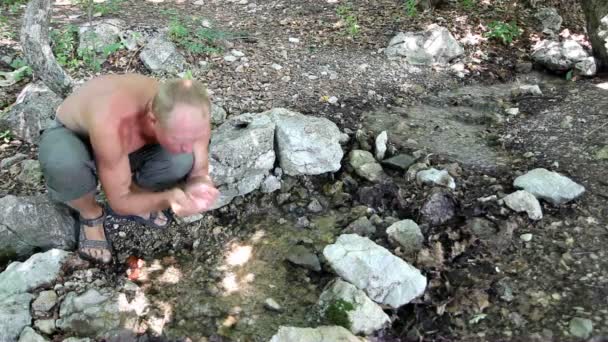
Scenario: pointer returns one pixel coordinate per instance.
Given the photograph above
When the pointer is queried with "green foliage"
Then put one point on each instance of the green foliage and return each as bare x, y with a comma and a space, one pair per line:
13, 6
468, 4
64, 44
505, 32
103, 8
24, 70
337, 313
345, 12
5, 135
410, 8
200, 41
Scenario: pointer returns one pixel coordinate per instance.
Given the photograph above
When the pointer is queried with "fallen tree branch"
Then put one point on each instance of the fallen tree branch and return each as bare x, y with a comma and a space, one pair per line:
36, 47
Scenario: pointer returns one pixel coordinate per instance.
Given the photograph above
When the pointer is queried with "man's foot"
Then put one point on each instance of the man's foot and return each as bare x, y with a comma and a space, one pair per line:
160, 219
93, 244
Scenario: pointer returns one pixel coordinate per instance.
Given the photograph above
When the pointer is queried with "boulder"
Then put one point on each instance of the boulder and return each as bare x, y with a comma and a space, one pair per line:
34, 221
306, 145
99, 34
549, 19
524, 201
434, 45
241, 155
561, 56
549, 186
407, 234
319, 334
14, 316
365, 264
161, 56
366, 166
32, 113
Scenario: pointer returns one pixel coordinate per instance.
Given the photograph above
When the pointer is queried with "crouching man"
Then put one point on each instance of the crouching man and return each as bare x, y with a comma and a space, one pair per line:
147, 144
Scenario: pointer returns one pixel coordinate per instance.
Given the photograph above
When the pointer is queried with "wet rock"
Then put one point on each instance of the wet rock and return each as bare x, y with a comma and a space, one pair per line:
523, 201
362, 226
433, 45
29, 335
365, 318
306, 145
381, 141
45, 302
31, 173
549, 186
100, 34
319, 334
34, 221
314, 206
270, 184
302, 256
483, 228
10, 161
559, 56
218, 114
161, 56
580, 327
407, 234
363, 263
40, 269
549, 19
272, 305
399, 162
436, 177
438, 209
366, 166
32, 112
241, 155
14, 315
46, 326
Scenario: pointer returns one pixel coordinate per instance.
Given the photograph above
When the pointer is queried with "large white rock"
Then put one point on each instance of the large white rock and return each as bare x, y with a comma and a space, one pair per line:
385, 278
14, 315
34, 221
560, 56
366, 316
522, 200
306, 145
40, 269
549, 186
161, 55
434, 45
319, 334
32, 112
241, 154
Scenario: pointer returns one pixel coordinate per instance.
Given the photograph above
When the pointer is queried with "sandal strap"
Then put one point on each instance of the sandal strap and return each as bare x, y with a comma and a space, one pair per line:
96, 221
94, 244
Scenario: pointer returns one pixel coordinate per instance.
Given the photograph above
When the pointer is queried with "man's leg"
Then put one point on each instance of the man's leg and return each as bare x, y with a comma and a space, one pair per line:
68, 170
156, 169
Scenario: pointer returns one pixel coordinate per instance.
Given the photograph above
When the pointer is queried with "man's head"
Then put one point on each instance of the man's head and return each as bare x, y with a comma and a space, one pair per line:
180, 114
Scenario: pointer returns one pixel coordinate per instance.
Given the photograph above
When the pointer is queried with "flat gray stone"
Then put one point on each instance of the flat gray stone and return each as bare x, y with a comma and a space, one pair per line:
29, 335
366, 316
319, 334
365, 165
161, 55
46, 326
40, 269
407, 234
581, 327
366, 265
14, 315
302, 256
549, 186
399, 162
436, 177
45, 302
523, 201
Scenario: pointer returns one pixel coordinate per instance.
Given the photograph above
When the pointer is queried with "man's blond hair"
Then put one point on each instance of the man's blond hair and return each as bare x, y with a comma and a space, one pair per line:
179, 91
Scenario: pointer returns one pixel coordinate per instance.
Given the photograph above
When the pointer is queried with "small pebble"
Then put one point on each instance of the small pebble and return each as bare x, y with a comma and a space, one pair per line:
526, 237
272, 305
294, 40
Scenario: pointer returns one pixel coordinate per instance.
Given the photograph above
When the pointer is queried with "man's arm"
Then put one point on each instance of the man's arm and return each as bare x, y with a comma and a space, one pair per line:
114, 173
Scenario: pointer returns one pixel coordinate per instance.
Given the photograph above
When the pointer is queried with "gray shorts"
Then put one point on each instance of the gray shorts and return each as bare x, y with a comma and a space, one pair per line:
68, 166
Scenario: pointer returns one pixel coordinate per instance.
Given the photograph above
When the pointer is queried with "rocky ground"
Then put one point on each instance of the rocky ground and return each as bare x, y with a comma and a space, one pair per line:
479, 180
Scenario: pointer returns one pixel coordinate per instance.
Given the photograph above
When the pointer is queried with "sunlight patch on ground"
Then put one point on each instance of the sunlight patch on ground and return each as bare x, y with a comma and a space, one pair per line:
230, 283
239, 255
603, 86
157, 321
171, 276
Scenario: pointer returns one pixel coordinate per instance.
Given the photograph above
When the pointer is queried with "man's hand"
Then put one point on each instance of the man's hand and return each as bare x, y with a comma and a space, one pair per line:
202, 192
182, 204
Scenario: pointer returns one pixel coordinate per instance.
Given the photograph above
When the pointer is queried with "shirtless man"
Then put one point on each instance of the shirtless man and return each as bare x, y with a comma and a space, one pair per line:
145, 141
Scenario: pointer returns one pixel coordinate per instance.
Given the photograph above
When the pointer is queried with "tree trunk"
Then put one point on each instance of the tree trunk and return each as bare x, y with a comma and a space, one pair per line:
36, 47
596, 14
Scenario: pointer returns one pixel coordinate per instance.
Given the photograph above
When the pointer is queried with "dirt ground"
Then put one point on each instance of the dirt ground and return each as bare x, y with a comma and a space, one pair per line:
496, 287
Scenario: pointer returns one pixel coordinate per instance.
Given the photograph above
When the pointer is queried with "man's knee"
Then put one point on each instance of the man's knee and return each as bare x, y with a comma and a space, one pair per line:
64, 162
164, 173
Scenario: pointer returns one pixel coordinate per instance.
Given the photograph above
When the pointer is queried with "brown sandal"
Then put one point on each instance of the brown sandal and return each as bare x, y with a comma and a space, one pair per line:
88, 243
